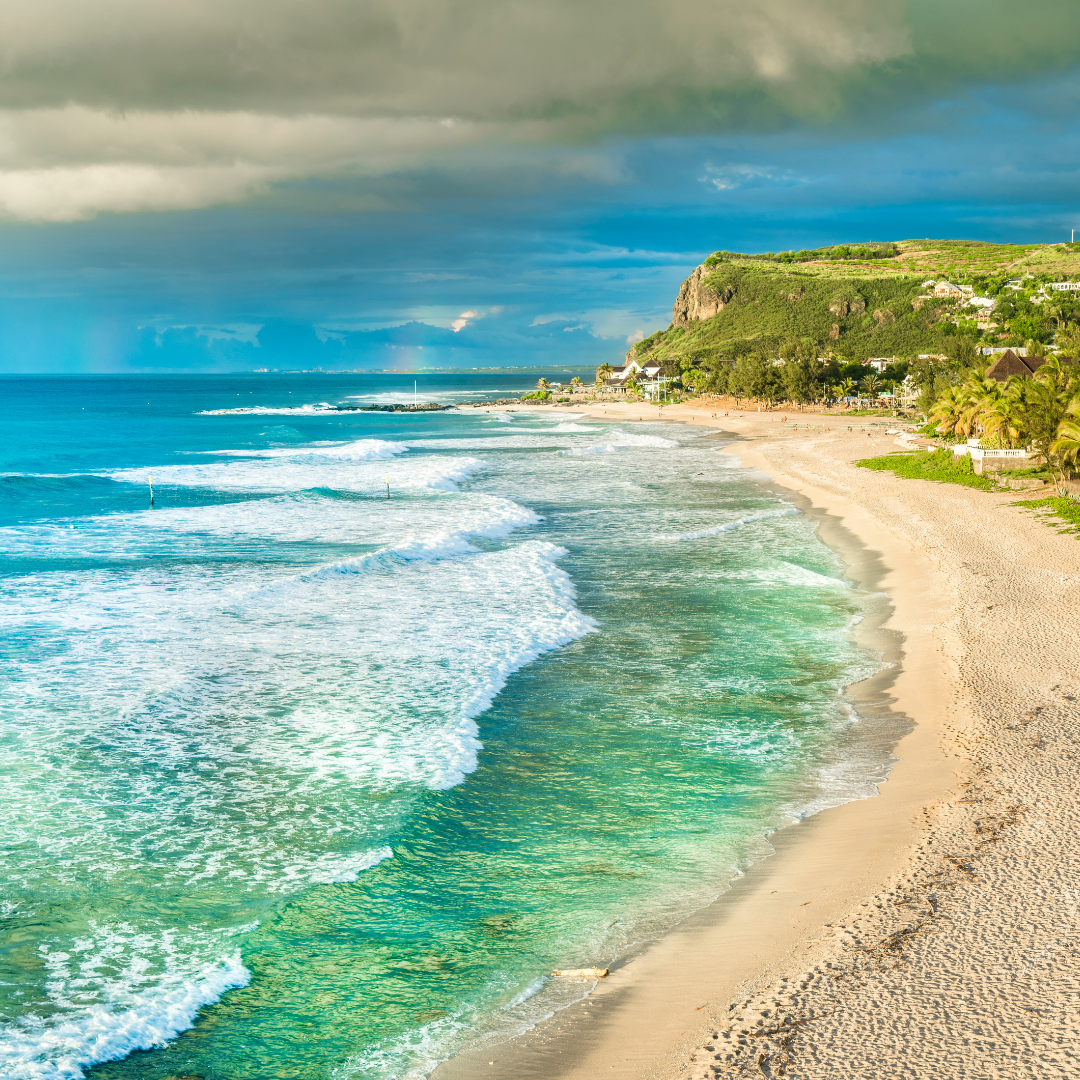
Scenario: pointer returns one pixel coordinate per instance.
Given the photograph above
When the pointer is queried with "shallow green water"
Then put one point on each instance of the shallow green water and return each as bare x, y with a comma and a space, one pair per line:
255, 763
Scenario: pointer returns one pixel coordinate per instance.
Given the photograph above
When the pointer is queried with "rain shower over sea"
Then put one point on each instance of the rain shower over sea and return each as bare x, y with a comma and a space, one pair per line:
299, 780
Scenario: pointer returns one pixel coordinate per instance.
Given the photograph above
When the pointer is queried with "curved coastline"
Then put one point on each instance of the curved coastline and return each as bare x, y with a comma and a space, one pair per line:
669, 996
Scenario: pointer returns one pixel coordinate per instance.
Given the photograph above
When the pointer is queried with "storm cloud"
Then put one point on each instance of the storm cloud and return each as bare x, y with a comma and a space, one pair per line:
128, 106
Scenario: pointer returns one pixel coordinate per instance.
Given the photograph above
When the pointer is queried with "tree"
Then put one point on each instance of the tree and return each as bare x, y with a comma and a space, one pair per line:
871, 384
603, 373
1068, 339
947, 411
1066, 444
541, 383
753, 377
1042, 403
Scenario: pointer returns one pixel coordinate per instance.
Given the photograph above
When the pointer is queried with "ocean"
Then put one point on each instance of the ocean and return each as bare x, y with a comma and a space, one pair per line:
316, 766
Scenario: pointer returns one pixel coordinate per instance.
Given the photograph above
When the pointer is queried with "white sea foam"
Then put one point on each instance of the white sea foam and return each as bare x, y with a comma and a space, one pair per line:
190, 530
332, 869
358, 450
270, 410
139, 1008
602, 448
306, 471
620, 440
728, 526
634, 438
530, 991
229, 667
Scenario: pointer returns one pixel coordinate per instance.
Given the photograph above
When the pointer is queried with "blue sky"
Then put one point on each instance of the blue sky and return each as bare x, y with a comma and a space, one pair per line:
428, 184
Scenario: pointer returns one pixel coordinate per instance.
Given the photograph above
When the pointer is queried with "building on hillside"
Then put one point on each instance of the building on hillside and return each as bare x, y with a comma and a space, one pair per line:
620, 377
950, 291
1009, 363
907, 393
880, 363
1065, 286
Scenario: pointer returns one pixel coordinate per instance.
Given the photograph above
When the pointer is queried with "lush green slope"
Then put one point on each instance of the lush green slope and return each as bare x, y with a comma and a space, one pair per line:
859, 301
869, 316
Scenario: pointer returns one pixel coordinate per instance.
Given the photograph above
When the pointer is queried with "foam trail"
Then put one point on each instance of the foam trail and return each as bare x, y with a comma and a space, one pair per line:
289, 472
464, 742
729, 526
360, 450
269, 410
34, 1050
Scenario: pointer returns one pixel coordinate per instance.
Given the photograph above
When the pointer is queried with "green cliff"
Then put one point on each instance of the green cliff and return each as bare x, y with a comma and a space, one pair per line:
858, 301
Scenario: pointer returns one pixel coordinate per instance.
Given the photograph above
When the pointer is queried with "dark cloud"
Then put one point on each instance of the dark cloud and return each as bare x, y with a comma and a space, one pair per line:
128, 106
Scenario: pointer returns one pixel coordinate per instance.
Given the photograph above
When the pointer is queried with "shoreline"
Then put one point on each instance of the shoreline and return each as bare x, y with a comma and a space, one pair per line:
669, 996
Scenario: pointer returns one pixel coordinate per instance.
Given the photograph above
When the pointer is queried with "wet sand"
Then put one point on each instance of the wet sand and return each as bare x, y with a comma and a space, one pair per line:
932, 931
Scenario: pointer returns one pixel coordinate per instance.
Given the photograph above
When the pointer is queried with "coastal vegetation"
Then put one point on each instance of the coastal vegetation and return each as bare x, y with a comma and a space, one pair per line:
741, 320
941, 466
1042, 412
1067, 510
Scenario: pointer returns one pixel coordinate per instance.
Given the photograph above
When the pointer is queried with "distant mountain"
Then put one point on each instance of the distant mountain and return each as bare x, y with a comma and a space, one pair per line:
853, 300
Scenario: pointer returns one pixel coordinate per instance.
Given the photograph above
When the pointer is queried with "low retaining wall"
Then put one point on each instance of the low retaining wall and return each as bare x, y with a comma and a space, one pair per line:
995, 460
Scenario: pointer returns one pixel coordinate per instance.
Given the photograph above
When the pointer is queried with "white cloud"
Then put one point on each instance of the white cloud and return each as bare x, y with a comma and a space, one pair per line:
70, 194
729, 177
637, 335
464, 319
73, 162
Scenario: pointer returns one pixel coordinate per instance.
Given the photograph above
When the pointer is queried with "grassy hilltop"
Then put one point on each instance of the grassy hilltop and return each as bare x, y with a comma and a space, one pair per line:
858, 301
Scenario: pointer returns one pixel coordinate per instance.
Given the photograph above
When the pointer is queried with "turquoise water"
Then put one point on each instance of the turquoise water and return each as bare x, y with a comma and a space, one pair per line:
302, 781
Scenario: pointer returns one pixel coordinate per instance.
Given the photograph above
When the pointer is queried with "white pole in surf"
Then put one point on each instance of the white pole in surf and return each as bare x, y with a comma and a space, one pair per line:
150, 481
414, 394
388, 485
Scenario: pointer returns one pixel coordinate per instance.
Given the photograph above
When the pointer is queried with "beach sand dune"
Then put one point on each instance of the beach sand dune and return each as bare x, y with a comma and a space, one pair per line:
933, 931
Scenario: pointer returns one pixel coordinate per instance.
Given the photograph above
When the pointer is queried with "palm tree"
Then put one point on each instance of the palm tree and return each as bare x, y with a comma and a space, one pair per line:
946, 412
1042, 404
1068, 339
1067, 442
541, 383
870, 385
603, 373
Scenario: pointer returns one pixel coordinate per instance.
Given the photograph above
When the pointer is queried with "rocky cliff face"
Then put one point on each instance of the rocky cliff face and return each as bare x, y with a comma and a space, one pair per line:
697, 301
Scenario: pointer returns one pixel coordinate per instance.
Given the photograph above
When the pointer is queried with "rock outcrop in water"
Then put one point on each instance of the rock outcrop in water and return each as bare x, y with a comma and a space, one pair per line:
429, 406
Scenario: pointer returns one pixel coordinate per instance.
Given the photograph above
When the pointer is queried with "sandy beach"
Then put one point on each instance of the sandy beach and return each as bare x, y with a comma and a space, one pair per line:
931, 931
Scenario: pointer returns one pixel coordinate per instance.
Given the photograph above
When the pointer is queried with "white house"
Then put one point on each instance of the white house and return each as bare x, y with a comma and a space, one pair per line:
620, 376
